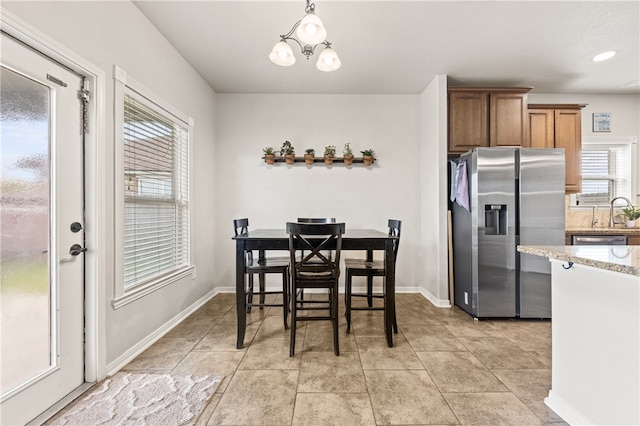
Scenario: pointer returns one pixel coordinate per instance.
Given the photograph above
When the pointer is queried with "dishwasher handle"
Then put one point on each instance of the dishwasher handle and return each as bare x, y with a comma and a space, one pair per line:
611, 240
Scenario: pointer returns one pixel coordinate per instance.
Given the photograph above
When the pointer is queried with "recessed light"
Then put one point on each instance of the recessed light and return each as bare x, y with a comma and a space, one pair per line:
604, 56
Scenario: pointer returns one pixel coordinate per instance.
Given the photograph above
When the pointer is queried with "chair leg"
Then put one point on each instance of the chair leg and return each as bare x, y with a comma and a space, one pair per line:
250, 294
285, 297
370, 291
347, 300
292, 337
262, 289
334, 319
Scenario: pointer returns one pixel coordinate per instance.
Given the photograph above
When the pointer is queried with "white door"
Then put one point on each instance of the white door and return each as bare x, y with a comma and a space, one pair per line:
41, 187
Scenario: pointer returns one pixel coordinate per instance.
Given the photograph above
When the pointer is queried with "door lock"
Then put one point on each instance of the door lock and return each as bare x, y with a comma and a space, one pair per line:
76, 227
76, 249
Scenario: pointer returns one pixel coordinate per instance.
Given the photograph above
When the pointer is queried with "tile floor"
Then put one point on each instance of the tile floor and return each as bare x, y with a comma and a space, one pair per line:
445, 368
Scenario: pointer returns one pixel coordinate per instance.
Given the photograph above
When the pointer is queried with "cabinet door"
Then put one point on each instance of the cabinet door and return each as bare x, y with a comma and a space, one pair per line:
508, 122
568, 135
468, 121
541, 128
633, 240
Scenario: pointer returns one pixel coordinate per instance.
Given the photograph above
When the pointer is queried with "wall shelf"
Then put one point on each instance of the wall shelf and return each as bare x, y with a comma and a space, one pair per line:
356, 160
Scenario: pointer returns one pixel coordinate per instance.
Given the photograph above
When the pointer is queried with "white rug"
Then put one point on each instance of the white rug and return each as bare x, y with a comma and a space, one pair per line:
142, 399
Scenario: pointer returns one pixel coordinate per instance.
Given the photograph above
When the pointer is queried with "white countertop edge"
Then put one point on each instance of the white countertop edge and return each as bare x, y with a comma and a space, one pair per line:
623, 259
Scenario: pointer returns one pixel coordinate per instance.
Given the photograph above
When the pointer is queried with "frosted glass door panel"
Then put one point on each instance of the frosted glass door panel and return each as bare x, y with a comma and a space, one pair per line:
25, 291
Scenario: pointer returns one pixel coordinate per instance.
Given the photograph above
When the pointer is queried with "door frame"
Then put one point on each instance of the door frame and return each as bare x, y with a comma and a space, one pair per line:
95, 180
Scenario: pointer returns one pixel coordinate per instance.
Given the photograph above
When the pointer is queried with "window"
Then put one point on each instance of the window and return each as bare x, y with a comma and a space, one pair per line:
152, 148
607, 171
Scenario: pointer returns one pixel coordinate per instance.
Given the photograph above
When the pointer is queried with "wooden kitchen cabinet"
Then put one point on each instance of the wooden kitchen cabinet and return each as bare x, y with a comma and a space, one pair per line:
633, 240
559, 126
487, 117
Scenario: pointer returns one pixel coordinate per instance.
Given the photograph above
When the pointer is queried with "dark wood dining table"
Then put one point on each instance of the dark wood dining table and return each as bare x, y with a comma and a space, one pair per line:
353, 239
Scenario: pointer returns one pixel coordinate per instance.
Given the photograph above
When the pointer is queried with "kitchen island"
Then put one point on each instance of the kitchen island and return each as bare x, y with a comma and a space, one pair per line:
595, 293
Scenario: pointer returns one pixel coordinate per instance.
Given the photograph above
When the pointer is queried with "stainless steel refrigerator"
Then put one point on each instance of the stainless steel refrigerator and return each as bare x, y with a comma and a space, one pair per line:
515, 196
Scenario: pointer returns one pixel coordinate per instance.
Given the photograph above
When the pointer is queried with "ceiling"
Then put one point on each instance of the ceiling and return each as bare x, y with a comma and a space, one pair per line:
397, 47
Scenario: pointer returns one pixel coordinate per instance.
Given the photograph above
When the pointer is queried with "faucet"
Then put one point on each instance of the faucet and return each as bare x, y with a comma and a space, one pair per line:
594, 221
612, 221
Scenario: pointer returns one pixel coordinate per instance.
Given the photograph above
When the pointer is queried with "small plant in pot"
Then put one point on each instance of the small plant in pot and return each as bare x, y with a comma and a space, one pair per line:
347, 154
269, 155
288, 151
368, 155
632, 214
329, 153
309, 155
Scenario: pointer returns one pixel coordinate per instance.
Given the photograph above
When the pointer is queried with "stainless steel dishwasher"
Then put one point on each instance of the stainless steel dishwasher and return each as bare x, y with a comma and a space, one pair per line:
599, 240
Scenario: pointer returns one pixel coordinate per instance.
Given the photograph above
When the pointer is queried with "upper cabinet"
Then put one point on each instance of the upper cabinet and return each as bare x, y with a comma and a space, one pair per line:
487, 116
559, 126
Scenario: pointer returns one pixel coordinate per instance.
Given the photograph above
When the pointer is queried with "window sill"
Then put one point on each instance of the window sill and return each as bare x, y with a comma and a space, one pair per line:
141, 291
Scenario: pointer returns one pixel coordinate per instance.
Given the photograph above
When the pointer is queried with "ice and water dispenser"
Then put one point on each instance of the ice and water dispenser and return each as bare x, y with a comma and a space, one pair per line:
495, 219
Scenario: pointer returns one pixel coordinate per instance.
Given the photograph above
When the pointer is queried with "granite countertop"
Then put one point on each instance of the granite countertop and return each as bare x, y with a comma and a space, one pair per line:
624, 259
604, 231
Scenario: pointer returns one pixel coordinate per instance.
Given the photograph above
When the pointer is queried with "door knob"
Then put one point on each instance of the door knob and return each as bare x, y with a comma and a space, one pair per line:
76, 249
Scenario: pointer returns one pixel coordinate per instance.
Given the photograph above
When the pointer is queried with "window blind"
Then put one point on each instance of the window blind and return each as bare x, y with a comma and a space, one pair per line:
156, 183
606, 173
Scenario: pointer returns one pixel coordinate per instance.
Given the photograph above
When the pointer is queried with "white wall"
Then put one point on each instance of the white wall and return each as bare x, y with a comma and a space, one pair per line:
361, 197
116, 33
624, 109
432, 252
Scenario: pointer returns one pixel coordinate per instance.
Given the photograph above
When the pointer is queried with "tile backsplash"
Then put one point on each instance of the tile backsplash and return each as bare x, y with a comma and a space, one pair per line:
581, 218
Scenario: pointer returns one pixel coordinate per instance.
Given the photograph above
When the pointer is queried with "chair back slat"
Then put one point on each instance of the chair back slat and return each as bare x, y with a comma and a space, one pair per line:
316, 220
315, 238
241, 226
395, 229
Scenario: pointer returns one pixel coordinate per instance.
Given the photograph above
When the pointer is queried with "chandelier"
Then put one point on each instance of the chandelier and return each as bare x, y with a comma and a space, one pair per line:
311, 34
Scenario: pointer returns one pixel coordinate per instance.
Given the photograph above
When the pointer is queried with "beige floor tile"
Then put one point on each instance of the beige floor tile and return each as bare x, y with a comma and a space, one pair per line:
257, 397
319, 337
500, 353
316, 409
194, 327
162, 356
204, 417
367, 323
463, 328
431, 338
216, 307
375, 354
213, 363
487, 408
407, 397
460, 372
271, 354
528, 385
325, 372
223, 337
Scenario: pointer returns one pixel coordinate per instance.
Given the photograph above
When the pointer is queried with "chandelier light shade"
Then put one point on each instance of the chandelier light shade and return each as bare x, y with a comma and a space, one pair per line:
282, 54
328, 60
311, 30
310, 33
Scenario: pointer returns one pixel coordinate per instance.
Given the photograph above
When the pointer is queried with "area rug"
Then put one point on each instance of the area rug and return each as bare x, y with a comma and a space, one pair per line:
142, 399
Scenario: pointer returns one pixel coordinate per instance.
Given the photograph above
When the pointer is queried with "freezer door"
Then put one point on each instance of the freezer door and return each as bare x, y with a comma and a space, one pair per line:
496, 285
541, 223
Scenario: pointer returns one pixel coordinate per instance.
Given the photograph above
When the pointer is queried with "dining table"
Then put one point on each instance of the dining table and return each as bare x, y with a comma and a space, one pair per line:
368, 240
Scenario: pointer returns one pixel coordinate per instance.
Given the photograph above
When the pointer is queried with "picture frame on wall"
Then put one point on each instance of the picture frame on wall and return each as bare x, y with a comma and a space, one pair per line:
601, 121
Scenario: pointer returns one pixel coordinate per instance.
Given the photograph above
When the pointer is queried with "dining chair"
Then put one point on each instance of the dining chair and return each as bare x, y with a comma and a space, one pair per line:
314, 270
370, 268
261, 266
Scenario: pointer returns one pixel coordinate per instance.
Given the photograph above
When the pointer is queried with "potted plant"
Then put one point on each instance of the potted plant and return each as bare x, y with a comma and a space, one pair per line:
329, 153
368, 156
309, 155
269, 155
288, 151
347, 154
632, 214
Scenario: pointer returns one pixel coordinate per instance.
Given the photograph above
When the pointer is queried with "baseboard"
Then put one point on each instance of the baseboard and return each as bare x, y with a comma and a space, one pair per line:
128, 356
438, 303
565, 410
